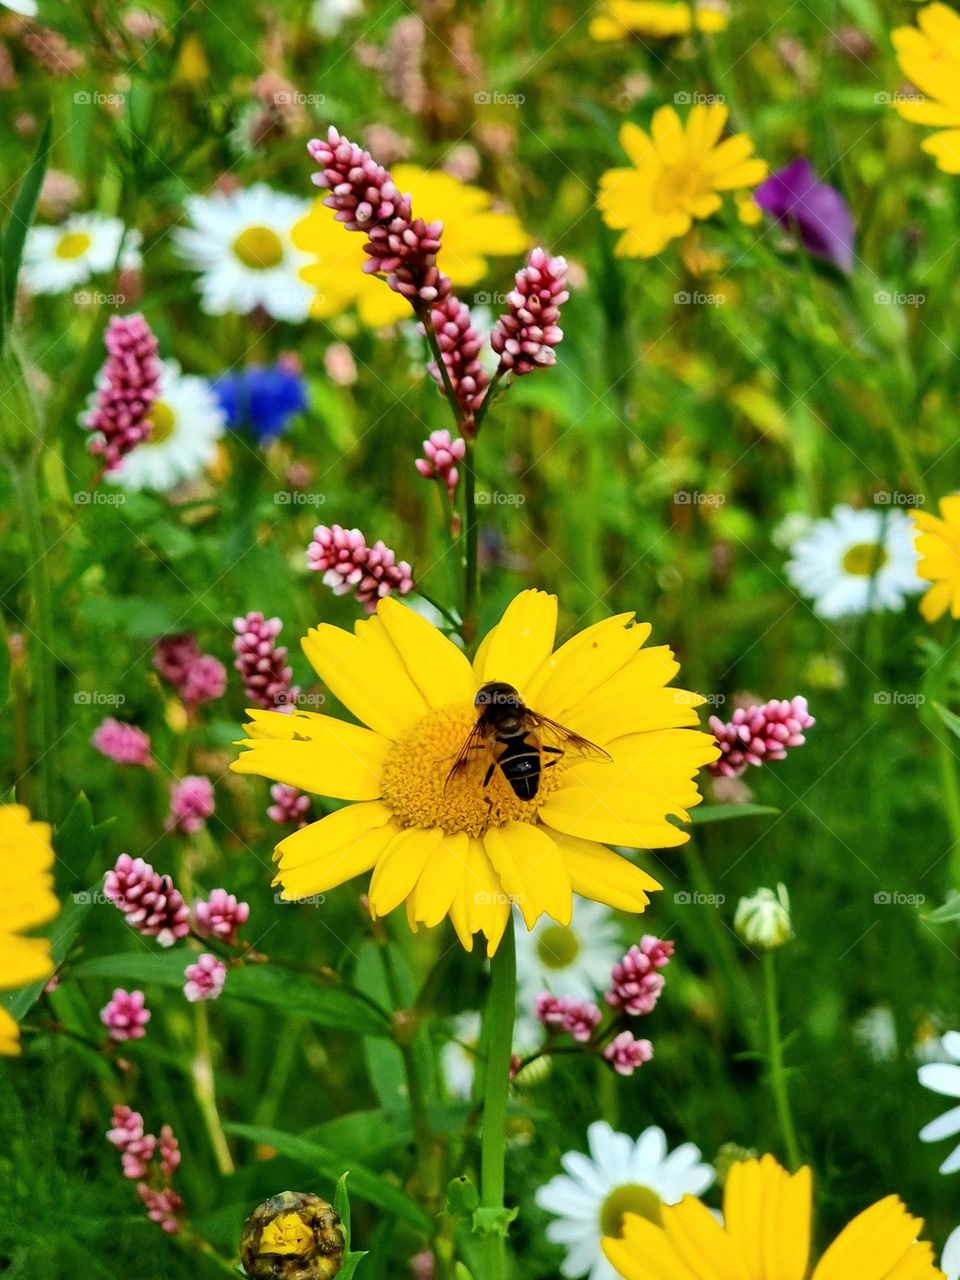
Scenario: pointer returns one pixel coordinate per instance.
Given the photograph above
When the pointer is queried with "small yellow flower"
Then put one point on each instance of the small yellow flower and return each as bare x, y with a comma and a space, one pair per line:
748, 211
647, 19
453, 845
678, 171
929, 56
766, 1234
472, 230
938, 545
26, 892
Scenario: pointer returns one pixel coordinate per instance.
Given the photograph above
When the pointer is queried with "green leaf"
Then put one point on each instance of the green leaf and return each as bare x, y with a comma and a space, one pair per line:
949, 912
727, 812
78, 838
62, 934
341, 1202
262, 984
367, 1185
949, 718
18, 224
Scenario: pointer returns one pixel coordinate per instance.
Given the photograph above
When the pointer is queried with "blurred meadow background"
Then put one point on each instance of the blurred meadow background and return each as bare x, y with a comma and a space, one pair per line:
710, 403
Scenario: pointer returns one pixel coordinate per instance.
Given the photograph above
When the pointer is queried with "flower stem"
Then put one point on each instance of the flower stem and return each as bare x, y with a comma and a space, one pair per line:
471, 561
498, 1038
202, 1072
778, 1080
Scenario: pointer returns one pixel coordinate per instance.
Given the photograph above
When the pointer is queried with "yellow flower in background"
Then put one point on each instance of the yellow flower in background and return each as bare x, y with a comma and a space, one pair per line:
679, 169
938, 545
929, 56
472, 231
451, 845
621, 19
748, 211
27, 900
766, 1236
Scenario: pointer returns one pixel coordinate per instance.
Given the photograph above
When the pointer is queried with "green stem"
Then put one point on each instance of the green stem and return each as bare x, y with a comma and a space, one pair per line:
472, 562
951, 796
203, 1087
778, 1080
25, 480
498, 1038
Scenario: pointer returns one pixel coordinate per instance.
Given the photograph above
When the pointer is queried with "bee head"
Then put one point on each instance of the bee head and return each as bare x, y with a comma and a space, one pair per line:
497, 695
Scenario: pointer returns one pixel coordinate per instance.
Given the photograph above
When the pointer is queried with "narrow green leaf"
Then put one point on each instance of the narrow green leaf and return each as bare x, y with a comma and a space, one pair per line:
727, 812
949, 718
367, 1185
18, 224
949, 912
78, 838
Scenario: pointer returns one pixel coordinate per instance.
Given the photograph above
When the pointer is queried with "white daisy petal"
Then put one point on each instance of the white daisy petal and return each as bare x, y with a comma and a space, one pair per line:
950, 1258
58, 259
940, 1077
568, 960
952, 1162
950, 1043
945, 1126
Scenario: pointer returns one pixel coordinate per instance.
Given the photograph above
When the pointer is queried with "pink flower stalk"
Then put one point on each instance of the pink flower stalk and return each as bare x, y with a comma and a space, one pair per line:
173, 657
163, 1206
365, 198
136, 1148
220, 916
758, 734
149, 901
126, 1015
525, 336
348, 564
123, 743
126, 388
625, 1054
459, 345
127, 1127
205, 979
290, 806
423, 1266
262, 663
197, 677
635, 985
563, 1013
168, 1150
191, 804
441, 455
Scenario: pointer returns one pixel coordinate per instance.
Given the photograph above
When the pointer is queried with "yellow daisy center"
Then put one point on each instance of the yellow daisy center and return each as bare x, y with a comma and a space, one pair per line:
417, 786
678, 184
630, 1198
557, 946
74, 244
863, 559
259, 248
164, 420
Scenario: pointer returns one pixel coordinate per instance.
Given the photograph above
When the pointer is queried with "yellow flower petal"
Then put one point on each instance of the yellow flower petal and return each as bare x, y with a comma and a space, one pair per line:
440, 880
399, 867
481, 905
531, 870
340, 760
436, 666
701, 1242
367, 675
583, 664
327, 844
647, 1253
876, 1244
521, 640
597, 872
9, 1035
23, 960
767, 1214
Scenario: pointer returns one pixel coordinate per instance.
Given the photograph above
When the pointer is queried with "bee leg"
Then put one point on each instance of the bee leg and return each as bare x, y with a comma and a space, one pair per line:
554, 751
487, 776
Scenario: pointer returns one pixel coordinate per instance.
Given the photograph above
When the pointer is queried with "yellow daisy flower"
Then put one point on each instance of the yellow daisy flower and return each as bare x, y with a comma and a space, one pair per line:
448, 845
766, 1236
678, 171
646, 19
472, 231
929, 56
938, 545
26, 891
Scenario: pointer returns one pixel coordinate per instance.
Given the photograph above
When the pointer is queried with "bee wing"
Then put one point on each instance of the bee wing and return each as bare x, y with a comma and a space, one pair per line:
570, 741
473, 740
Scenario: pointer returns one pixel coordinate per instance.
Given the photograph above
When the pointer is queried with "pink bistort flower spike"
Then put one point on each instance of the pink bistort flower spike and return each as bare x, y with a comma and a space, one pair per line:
349, 564
204, 979
126, 388
136, 1147
123, 743
126, 1015
758, 734
149, 901
460, 346
625, 1054
290, 807
168, 1150
635, 984
127, 1127
163, 1206
197, 677
441, 454
525, 336
191, 804
220, 916
262, 663
563, 1013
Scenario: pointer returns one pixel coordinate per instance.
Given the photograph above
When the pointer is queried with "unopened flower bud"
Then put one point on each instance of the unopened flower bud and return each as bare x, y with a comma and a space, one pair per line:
292, 1236
764, 920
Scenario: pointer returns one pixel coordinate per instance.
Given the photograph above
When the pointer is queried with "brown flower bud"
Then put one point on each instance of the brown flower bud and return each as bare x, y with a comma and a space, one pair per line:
292, 1236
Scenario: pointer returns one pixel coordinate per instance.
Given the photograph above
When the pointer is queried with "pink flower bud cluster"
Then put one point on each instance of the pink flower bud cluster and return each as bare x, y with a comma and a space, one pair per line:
126, 388
197, 677
460, 346
122, 743
290, 807
441, 454
758, 734
220, 916
365, 198
349, 564
525, 337
125, 1015
625, 1054
149, 901
563, 1013
635, 984
205, 979
191, 804
262, 663
142, 1156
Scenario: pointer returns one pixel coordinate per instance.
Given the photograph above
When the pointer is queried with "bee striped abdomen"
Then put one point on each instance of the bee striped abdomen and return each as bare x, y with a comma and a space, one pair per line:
520, 763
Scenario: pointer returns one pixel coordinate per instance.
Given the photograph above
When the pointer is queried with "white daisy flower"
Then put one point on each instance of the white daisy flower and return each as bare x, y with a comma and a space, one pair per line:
458, 1057
241, 244
856, 560
26, 8
950, 1258
568, 960
57, 259
328, 16
619, 1176
944, 1078
187, 423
